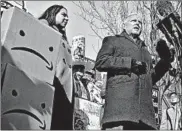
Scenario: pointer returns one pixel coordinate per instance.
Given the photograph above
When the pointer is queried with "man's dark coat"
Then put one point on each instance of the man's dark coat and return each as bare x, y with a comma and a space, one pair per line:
128, 96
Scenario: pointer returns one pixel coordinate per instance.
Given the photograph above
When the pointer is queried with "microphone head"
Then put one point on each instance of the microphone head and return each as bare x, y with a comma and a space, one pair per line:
163, 50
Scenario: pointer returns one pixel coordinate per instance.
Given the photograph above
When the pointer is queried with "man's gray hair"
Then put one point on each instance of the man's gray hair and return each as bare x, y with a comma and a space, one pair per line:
130, 16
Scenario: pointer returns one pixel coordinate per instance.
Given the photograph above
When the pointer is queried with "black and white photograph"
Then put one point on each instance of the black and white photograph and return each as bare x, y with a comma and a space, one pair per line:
91, 65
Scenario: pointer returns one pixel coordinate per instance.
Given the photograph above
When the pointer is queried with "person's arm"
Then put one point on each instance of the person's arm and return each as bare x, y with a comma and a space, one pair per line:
106, 60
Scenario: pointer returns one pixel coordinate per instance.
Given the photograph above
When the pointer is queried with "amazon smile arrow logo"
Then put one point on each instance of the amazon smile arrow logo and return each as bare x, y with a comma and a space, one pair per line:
21, 111
50, 65
44, 126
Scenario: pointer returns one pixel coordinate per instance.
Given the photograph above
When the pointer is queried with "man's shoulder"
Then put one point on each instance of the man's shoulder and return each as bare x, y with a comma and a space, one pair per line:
107, 39
169, 109
111, 38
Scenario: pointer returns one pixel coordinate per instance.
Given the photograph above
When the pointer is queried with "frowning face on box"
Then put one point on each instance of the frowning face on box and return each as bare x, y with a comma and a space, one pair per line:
26, 101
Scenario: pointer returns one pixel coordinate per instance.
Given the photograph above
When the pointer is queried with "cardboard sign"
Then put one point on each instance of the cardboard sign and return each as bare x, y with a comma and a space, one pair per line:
78, 48
86, 115
29, 44
64, 68
26, 101
3, 67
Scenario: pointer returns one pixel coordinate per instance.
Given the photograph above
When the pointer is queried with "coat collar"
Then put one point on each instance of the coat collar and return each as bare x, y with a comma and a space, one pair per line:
139, 42
55, 28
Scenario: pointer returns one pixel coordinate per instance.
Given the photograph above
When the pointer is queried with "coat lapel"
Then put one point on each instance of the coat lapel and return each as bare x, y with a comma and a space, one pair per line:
138, 43
124, 34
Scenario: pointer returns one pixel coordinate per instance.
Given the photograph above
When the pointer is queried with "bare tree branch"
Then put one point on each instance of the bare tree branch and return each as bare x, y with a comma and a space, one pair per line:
146, 6
178, 6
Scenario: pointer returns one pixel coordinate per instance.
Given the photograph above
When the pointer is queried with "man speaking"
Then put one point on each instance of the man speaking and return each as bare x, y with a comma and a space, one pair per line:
130, 78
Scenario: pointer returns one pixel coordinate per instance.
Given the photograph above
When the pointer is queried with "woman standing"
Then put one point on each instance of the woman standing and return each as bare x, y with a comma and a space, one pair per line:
56, 17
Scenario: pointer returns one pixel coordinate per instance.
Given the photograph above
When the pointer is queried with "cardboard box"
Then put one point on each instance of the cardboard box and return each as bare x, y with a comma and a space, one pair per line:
87, 115
26, 102
3, 68
29, 44
64, 69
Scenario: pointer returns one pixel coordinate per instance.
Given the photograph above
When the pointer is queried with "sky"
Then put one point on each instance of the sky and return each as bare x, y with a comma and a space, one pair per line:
76, 25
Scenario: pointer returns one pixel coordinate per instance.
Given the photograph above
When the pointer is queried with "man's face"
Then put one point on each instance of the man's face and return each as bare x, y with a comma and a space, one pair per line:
133, 25
79, 75
174, 98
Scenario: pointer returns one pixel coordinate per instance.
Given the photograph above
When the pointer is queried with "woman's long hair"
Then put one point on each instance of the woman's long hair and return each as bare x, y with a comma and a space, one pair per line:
50, 16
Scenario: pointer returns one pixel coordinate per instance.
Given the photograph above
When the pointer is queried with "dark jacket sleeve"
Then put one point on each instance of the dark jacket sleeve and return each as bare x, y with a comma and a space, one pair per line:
106, 61
160, 69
